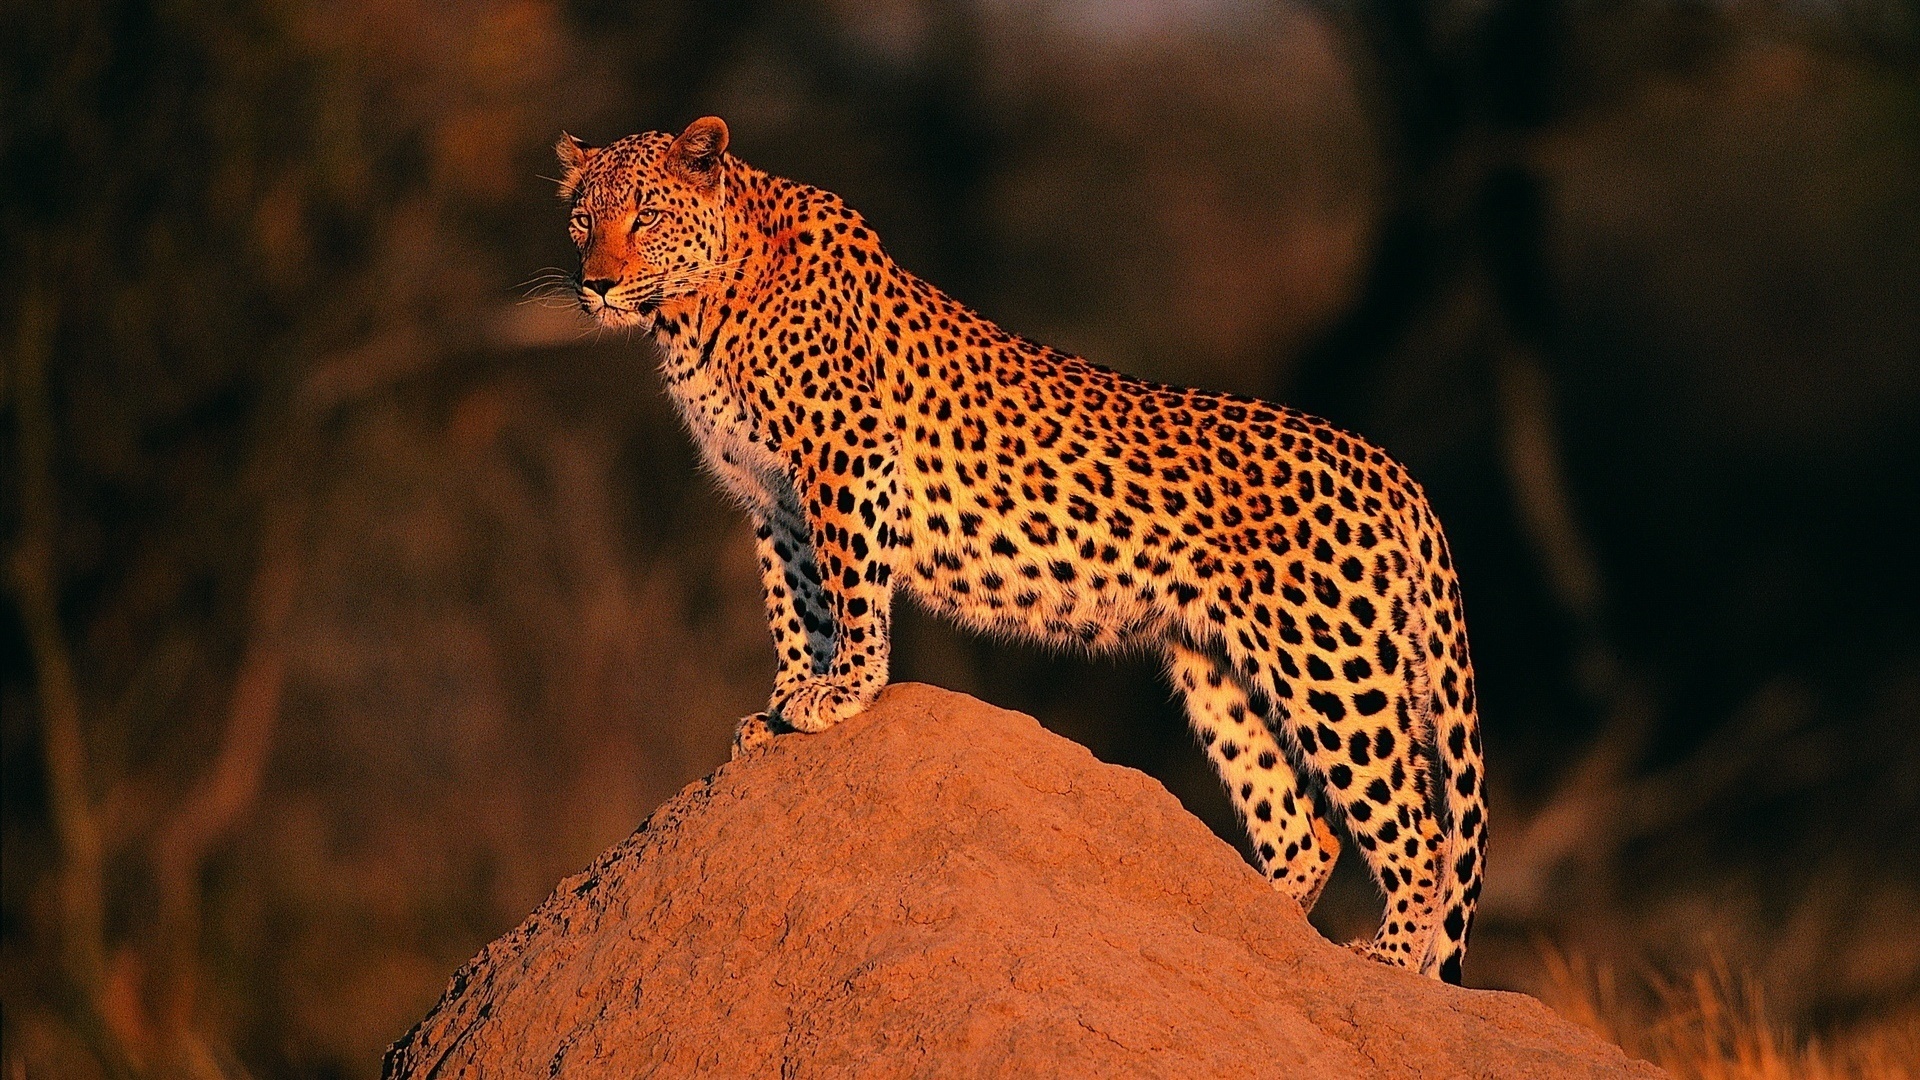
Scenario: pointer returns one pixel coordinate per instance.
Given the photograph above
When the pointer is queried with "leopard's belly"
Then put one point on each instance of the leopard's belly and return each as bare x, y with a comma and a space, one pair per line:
1028, 570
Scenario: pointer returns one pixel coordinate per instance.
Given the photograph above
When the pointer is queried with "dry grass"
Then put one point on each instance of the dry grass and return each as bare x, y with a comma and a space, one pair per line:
1714, 1025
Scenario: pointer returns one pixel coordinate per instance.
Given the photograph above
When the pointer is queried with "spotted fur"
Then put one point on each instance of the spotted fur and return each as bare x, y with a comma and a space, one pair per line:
882, 436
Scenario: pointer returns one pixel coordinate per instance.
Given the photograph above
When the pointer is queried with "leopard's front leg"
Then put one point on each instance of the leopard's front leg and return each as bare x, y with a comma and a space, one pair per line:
798, 612
849, 505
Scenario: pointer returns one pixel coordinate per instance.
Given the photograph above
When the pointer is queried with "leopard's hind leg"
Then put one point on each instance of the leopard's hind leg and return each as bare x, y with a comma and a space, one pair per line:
1292, 844
1364, 732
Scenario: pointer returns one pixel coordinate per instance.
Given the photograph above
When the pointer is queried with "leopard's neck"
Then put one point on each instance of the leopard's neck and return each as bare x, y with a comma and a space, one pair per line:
783, 237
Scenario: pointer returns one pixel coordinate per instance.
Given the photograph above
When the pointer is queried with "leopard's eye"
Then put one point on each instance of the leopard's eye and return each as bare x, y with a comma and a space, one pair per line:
644, 219
582, 220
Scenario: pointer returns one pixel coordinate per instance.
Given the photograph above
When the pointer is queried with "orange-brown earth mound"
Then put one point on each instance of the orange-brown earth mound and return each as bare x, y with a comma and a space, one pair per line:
937, 888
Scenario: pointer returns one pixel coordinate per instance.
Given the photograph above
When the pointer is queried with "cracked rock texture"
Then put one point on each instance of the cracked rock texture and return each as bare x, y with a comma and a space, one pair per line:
942, 888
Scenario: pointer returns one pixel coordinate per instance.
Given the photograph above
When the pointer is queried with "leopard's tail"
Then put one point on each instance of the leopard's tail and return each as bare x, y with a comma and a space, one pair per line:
1459, 772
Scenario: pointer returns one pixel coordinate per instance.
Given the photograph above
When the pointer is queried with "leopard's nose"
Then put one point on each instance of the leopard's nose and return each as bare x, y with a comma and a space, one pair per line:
600, 285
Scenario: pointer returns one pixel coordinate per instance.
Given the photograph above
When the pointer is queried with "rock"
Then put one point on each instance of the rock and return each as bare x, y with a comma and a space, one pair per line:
937, 888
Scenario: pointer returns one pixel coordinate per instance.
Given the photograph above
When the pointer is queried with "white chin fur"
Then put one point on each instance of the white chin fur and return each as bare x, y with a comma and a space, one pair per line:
619, 318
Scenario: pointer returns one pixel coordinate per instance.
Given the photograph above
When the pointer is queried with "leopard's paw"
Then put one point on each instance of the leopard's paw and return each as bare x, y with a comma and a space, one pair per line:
1378, 952
753, 733
817, 705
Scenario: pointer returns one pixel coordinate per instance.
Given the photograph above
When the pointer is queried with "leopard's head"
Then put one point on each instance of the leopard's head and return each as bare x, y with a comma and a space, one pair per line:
647, 217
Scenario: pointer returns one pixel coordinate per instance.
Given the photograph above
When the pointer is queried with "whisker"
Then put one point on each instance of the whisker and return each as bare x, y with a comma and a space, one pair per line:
551, 303
547, 273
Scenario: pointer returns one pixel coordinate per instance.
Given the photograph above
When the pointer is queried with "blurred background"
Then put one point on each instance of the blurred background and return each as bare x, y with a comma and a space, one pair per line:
356, 593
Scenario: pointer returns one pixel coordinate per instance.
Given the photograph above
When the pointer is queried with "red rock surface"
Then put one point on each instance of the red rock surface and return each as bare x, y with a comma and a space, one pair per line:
942, 888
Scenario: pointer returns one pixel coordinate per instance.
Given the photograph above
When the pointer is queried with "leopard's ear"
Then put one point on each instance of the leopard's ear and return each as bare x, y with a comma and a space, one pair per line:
574, 157
696, 152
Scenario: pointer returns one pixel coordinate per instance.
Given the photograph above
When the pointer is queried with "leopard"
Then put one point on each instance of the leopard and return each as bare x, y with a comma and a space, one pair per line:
883, 438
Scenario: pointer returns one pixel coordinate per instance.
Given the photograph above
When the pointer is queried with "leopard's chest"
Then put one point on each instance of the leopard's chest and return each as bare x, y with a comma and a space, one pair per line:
722, 426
